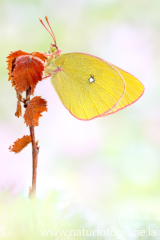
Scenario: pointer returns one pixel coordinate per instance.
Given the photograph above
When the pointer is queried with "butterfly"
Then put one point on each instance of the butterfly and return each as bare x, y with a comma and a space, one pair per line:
88, 86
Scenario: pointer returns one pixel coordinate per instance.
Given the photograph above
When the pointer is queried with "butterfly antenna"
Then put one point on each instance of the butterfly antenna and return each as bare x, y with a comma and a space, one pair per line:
51, 30
48, 30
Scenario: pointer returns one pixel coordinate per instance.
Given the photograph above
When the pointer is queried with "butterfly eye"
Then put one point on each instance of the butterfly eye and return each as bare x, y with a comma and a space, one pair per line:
53, 49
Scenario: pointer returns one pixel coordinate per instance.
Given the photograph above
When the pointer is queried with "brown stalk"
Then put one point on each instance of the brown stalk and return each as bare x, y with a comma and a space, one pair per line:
32, 190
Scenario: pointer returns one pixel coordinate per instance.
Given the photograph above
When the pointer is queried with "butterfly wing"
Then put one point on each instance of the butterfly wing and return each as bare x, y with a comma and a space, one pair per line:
134, 90
86, 85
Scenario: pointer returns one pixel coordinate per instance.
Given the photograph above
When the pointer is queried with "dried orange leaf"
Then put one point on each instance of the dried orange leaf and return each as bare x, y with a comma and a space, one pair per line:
19, 96
40, 55
33, 111
20, 144
27, 72
18, 112
11, 62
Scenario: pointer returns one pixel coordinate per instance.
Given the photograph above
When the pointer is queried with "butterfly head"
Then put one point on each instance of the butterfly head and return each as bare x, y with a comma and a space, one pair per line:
54, 50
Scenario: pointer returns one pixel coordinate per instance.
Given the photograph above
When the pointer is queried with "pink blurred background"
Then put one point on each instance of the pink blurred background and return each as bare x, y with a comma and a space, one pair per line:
106, 166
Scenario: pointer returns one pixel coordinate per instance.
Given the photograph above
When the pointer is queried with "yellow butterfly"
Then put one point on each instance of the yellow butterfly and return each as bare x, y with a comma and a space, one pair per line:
88, 86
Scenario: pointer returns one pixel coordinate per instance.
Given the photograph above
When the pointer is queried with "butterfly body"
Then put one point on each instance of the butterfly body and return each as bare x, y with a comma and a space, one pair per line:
88, 86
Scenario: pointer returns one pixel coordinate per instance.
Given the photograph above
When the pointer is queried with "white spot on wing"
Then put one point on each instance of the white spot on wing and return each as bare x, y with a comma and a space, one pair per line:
91, 79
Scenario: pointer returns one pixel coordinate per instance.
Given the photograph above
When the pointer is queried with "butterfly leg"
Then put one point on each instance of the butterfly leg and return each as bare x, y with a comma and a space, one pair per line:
47, 76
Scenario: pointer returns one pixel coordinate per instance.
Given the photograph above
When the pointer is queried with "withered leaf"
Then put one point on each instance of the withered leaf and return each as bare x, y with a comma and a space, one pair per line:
19, 96
18, 112
20, 143
40, 55
33, 111
27, 72
11, 62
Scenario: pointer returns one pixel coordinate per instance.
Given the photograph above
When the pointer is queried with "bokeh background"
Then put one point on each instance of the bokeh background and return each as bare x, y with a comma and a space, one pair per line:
108, 168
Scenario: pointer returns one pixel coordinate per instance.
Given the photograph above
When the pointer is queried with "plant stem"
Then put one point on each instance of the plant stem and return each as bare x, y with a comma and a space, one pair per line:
32, 191
35, 160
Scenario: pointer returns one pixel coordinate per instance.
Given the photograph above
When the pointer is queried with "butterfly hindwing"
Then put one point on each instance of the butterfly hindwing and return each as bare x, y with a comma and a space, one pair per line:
134, 90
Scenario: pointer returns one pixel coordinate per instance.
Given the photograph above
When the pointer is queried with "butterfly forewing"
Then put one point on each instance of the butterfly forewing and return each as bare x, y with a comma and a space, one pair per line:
86, 85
